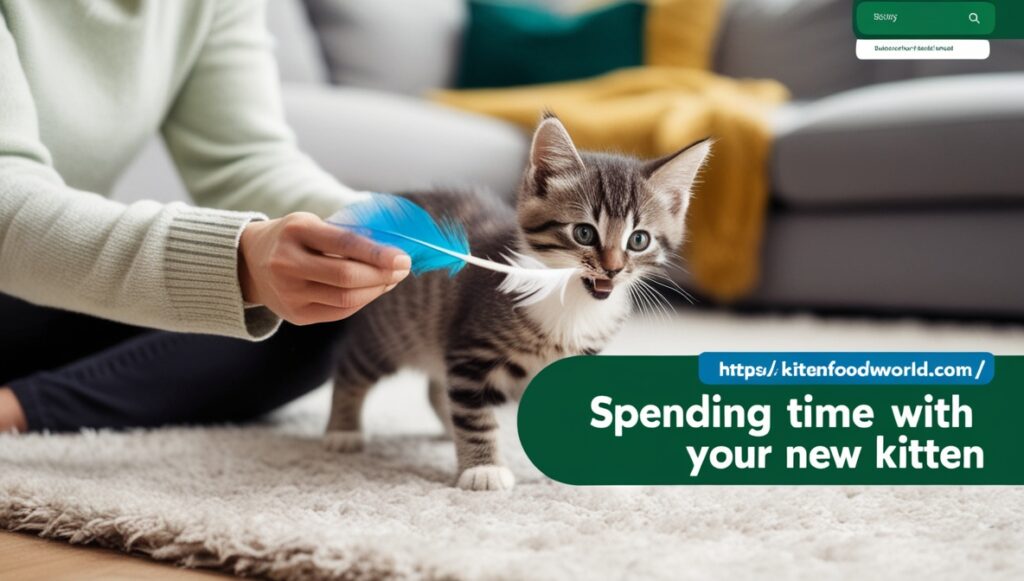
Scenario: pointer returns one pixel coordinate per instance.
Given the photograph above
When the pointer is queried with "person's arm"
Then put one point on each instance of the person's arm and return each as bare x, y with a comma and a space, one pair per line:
164, 266
172, 266
226, 130
228, 137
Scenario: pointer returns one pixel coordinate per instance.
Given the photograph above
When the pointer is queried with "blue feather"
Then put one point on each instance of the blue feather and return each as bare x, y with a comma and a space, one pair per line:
399, 222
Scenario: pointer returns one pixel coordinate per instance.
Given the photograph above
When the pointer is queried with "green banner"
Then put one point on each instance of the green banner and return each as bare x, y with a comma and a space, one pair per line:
649, 420
926, 19
938, 19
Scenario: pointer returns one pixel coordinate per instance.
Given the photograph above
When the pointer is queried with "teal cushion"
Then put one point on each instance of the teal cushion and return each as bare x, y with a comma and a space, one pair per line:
506, 45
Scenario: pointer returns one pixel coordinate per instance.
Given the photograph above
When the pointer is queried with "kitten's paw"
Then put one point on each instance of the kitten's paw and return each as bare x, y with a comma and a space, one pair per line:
345, 442
489, 477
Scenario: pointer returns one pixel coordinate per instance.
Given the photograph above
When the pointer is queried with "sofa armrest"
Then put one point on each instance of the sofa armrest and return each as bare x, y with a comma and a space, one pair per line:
384, 142
929, 140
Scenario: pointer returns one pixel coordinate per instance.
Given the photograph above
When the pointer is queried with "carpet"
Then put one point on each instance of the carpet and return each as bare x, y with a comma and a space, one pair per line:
267, 500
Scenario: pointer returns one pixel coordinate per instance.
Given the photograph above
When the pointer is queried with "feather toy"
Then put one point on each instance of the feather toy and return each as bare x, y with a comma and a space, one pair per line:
443, 245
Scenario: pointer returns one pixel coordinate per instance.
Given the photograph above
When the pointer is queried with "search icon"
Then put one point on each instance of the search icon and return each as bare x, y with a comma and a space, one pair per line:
973, 17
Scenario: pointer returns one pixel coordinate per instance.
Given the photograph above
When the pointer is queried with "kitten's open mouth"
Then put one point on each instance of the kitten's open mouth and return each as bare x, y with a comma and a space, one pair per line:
599, 288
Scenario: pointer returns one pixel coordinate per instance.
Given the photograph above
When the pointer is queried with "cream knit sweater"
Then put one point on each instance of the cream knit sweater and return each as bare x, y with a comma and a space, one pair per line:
83, 85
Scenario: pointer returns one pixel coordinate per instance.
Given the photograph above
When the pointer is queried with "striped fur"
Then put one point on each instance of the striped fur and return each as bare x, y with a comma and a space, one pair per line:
478, 349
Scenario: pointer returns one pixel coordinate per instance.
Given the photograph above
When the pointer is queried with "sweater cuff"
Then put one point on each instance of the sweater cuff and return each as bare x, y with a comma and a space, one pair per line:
201, 275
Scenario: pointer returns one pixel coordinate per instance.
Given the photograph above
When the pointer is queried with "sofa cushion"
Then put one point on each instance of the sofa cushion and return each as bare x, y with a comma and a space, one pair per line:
392, 45
929, 140
943, 261
506, 45
807, 45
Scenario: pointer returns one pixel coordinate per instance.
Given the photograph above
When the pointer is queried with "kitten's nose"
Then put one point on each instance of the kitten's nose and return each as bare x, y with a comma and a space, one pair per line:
612, 261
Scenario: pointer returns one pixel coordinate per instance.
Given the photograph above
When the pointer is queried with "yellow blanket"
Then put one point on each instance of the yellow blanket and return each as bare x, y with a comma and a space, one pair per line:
653, 111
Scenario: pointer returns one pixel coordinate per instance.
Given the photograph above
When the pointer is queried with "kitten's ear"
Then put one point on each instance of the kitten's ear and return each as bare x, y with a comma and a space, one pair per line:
674, 174
552, 153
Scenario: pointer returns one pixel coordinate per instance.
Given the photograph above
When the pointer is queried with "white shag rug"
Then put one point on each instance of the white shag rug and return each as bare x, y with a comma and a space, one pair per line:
267, 500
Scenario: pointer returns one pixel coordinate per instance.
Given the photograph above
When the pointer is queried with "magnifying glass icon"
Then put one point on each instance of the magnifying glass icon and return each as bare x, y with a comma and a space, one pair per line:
973, 17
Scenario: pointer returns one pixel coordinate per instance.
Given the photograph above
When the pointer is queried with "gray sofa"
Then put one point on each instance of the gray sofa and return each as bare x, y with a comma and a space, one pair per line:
896, 186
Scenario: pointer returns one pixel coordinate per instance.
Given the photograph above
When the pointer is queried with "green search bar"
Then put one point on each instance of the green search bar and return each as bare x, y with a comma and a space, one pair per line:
925, 19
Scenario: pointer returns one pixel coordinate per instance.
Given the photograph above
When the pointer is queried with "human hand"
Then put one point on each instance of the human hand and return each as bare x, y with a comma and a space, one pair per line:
307, 271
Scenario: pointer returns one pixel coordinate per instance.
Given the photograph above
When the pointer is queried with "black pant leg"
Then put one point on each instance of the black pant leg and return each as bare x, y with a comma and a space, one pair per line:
33, 338
159, 378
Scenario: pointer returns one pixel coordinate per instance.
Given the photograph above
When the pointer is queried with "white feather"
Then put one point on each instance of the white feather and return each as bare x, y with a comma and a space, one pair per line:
526, 277
532, 281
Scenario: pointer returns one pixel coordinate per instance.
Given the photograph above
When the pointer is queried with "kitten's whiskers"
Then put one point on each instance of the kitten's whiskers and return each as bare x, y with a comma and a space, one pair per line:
668, 283
655, 298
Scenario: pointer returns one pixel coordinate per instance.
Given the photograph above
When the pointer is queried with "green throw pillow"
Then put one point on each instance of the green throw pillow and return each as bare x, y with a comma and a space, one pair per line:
506, 45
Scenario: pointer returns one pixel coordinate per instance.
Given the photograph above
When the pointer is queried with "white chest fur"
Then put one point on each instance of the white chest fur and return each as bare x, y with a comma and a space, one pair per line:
580, 322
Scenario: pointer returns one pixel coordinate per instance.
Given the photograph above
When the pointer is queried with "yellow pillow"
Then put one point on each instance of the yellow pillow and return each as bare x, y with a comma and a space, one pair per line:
681, 33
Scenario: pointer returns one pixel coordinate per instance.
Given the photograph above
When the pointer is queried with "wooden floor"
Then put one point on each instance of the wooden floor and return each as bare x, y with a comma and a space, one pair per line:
29, 558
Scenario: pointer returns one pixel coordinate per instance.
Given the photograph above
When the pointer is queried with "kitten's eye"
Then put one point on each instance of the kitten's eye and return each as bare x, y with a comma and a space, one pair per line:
585, 234
639, 240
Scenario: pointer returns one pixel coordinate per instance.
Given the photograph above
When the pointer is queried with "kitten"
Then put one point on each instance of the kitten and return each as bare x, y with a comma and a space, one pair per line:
617, 218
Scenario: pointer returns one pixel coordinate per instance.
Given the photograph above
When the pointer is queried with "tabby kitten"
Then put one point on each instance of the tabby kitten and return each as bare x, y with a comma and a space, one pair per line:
616, 218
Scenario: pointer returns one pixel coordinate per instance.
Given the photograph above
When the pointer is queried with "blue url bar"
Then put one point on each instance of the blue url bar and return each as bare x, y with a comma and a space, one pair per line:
846, 368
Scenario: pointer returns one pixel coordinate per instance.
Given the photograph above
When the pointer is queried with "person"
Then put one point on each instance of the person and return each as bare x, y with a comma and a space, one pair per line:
146, 314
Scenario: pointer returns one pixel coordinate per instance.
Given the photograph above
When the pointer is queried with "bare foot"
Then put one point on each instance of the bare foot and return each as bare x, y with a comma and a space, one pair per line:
11, 415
